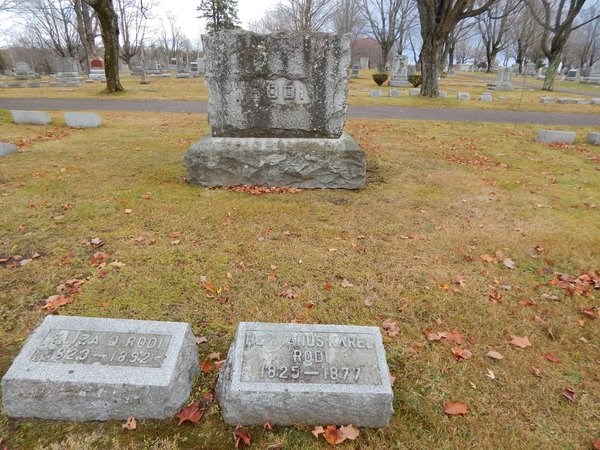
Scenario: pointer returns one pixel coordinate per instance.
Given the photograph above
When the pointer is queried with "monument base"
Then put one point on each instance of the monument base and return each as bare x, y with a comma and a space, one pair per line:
399, 83
290, 162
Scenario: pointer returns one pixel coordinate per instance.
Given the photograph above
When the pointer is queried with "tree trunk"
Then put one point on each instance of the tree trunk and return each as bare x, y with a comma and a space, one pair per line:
109, 26
553, 63
430, 59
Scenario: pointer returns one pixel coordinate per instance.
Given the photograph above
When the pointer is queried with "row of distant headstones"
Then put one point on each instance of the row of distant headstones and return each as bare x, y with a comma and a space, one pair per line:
485, 97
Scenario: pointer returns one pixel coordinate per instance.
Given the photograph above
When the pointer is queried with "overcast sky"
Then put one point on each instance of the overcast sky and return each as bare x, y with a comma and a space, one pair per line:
184, 10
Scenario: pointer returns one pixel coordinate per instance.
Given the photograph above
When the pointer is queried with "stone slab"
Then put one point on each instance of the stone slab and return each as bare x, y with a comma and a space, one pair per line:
567, 101
7, 149
288, 374
555, 137
442, 94
394, 93
548, 100
271, 85
376, 93
294, 162
414, 91
485, 97
593, 138
31, 117
82, 368
77, 119
595, 101
463, 96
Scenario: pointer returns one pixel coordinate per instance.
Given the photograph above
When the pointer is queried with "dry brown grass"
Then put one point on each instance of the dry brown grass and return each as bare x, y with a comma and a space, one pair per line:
438, 197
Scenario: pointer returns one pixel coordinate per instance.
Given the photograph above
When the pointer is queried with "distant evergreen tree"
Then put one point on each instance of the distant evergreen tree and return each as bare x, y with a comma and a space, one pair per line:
219, 14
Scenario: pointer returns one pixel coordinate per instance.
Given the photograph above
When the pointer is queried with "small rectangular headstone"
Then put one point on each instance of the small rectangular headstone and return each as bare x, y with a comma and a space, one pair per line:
414, 91
593, 138
82, 120
595, 101
376, 93
547, 100
486, 97
31, 117
463, 96
7, 149
567, 101
394, 93
82, 368
555, 137
289, 374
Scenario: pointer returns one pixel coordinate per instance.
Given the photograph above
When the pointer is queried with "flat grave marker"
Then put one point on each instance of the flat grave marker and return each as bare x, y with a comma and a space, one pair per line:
82, 368
287, 374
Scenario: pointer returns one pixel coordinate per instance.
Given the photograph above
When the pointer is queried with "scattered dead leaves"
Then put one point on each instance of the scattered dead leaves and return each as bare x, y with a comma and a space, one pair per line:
569, 394
575, 286
461, 353
391, 327
191, 413
56, 301
260, 190
494, 355
550, 357
334, 435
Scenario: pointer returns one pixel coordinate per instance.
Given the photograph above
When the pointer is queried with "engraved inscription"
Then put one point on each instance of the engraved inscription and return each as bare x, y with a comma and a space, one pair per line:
105, 348
310, 357
283, 91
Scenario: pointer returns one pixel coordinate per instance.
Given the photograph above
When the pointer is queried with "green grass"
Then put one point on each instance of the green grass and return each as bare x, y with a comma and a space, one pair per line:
438, 196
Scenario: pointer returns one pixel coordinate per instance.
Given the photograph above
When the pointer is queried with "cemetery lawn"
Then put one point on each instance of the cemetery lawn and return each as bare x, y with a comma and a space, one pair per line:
458, 238
193, 89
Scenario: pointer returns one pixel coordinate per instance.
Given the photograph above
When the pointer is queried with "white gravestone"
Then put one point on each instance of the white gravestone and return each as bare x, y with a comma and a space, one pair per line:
399, 71
82, 368
288, 374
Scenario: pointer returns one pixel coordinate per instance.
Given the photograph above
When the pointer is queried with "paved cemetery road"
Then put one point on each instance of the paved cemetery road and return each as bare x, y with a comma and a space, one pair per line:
368, 112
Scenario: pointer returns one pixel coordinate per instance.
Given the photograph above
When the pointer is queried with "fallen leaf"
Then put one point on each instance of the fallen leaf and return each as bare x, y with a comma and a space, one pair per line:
521, 342
461, 353
328, 286
537, 372
117, 264
130, 424
332, 435
494, 354
288, 293
56, 301
490, 374
455, 337
128, 211
453, 409
267, 426
589, 312
431, 336
206, 365
346, 284
489, 259
98, 258
596, 444
96, 242
349, 432
201, 340
215, 356
391, 327
317, 431
550, 357
569, 394
24, 262
241, 435
508, 263
191, 413
369, 301
208, 287
272, 278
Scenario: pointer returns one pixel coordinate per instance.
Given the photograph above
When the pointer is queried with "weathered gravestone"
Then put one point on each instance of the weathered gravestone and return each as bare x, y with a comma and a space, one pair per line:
68, 73
7, 149
399, 71
355, 71
97, 72
77, 119
31, 117
593, 138
593, 76
288, 374
277, 108
81, 368
555, 137
503, 79
572, 75
23, 71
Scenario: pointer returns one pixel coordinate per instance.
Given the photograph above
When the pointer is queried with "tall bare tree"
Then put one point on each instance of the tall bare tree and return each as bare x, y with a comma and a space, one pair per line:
584, 43
87, 28
438, 19
389, 21
133, 20
109, 26
347, 18
51, 24
524, 37
558, 22
306, 15
493, 26
170, 35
